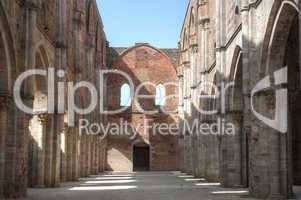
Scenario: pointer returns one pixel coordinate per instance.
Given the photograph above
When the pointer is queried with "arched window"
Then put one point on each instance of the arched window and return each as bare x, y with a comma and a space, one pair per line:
160, 95
125, 95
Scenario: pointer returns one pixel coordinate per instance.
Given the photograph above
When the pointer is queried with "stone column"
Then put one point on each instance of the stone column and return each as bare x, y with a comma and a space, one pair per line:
249, 128
70, 157
220, 63
181, 118
89, 155
232, 149
64, 151
48, 150
31, 14
3, 127
22, 131
10, 147
93, 153
38, 159
85, 158
75, 154
58, 127
82, 156
101, 164
59, 130
97, 155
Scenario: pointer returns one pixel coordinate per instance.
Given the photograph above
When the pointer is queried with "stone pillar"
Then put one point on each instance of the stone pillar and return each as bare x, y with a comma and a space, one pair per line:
58, 127
246, 87
48, 151
3, 127
89, 155
93, 154
70, 157
82, 155
64, 152
202, 153
181, 119
59, 172
220, 63
10, 147
38, 132
85, 158
97, 155
232, 152
75, 154
31, 15
100, 169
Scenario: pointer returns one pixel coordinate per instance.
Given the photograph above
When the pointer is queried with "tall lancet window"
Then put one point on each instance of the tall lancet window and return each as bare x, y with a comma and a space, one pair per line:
160, 95
125, 95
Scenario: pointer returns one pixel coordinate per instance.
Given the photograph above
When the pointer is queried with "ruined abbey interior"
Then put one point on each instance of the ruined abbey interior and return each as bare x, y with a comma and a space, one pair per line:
248, 49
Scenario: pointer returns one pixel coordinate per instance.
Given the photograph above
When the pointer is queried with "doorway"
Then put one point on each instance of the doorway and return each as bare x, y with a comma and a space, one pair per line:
141, 161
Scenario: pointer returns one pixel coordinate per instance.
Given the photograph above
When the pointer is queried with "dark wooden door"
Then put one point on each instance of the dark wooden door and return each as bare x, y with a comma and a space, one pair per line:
141, 158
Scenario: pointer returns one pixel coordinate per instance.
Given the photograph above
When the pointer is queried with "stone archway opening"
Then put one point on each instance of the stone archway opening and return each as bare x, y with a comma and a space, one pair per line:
234, 148
281, 49
294, 110
141, 157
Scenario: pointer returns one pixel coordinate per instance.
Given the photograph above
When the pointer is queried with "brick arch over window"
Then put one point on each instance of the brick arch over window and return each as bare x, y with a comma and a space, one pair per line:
124, 53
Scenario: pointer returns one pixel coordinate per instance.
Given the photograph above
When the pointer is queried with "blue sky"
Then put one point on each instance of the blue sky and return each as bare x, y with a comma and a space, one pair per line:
157, 22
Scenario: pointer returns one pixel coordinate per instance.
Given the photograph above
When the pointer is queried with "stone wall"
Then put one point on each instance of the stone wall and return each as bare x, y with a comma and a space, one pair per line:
41, 150
252, 39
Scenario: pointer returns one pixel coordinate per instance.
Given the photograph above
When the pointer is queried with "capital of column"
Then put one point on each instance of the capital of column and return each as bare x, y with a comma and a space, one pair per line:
77, 18
180, 75
31, 5
186, 64
204, 22
59, 44
89, 42
6, 101
194, 48
42, 118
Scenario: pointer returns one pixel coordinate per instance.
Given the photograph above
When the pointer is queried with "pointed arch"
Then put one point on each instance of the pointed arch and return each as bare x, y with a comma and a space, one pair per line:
125, 95
235, 96
282, 17
125, 52
160, 95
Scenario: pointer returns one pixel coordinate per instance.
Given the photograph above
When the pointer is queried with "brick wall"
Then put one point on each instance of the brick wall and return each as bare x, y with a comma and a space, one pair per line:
142, 63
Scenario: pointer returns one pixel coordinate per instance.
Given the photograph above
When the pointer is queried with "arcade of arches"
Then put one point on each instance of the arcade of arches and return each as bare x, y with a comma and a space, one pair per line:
241, 42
